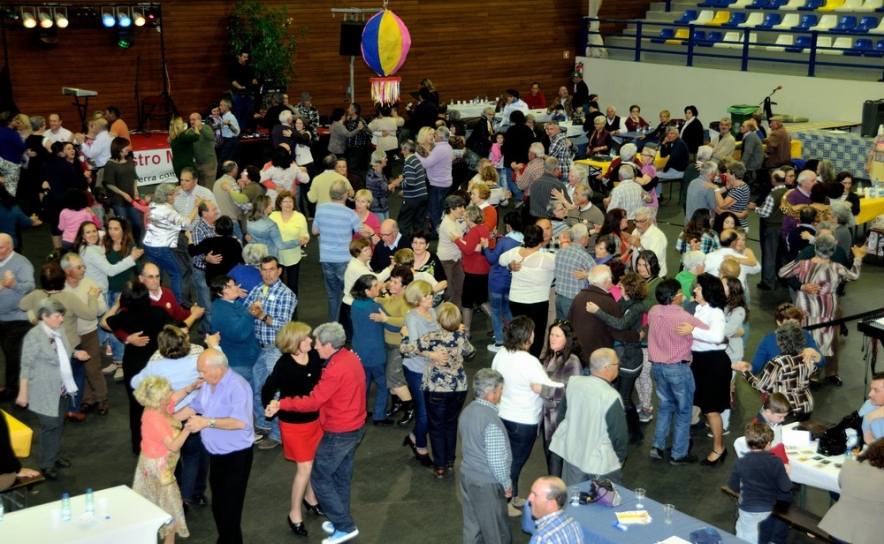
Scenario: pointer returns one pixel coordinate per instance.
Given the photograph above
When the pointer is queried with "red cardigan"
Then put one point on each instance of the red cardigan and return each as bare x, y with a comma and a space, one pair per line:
474, 262
339, 397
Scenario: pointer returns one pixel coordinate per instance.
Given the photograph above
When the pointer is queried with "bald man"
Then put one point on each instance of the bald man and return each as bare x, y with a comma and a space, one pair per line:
391, 241
204, 151
547, 500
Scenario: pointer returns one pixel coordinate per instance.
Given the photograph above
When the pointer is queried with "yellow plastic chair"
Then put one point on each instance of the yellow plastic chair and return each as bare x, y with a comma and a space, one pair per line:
831, 5
680, 35
720, 18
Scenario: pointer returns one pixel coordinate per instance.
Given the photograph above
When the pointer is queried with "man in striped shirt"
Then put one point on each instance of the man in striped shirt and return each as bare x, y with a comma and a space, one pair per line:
670, 352
413, 213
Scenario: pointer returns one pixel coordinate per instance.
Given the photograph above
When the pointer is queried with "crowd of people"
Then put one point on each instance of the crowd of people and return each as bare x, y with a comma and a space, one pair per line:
586, 315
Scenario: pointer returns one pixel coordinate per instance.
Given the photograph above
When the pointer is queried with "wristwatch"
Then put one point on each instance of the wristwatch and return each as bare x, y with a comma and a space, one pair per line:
212, 423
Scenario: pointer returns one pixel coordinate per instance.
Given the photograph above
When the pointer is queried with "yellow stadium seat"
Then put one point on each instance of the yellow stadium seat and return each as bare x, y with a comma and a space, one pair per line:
720, 18
21, 435
831, 5
680, 35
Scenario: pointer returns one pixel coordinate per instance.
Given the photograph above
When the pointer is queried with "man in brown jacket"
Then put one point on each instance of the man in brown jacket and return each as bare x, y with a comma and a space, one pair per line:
591, 332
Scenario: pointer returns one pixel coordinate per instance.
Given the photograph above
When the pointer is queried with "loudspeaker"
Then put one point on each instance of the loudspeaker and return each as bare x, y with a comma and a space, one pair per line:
351, 38
873, 117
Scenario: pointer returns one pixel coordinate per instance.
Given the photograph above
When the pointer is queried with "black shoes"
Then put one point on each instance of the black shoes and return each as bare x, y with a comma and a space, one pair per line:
297, 528
408, 415
383, 422
424, 458
394, 409
61, 462
199, 500
315, 509
686, 460
657, 453
834, 380
718, 460
50, 473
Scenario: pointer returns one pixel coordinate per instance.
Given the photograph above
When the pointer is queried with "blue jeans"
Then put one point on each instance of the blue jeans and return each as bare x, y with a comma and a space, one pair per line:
435, 205
675, 391
500, 311
522, 439
563, 306
378, 374
192, 471
510, 184
266, 362
203, 298
242, 108
333, 276
103, 336
135, 219
331, 475
249, 374
414, 380
164, 258
443, 409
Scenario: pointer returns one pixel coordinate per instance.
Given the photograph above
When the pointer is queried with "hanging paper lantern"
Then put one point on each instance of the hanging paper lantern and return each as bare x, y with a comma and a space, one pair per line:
385, 45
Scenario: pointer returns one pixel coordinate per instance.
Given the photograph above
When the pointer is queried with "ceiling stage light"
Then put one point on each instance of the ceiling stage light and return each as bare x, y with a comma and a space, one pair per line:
108, 19
61, 17
28, 19
45, 19
138, 17
123, 18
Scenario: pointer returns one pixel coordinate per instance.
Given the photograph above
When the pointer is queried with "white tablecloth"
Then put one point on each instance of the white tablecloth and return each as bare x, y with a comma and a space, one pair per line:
470, 110
132, 519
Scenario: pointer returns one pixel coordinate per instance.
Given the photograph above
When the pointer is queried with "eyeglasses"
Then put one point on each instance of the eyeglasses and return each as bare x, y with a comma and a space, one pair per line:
385, 234
641, 221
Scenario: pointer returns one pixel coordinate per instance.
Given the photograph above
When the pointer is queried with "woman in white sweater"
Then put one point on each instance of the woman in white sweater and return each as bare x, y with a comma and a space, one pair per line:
521, 405
452, 228
360, 251
533, 274
710, 364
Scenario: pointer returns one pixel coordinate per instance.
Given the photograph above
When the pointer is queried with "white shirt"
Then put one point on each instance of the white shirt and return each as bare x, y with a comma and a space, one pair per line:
99, 150
712, 339
519, 403
715, 258
532, 282
63, 135
654, 240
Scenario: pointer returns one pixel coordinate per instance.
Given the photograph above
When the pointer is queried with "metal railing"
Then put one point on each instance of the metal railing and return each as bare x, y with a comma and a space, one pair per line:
692, 46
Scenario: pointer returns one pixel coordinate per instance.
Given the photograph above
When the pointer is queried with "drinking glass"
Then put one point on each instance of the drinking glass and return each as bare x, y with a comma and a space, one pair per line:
574, 493
668, 509
639, 496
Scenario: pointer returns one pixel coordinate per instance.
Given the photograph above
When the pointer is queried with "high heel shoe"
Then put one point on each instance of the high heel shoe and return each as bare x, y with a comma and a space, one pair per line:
316, 509
297, 528
424, 458
408, 413
396, 406
721, 455
408, 442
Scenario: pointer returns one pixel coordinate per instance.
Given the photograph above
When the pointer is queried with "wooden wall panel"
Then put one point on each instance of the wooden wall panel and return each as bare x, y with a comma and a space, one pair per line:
467, 48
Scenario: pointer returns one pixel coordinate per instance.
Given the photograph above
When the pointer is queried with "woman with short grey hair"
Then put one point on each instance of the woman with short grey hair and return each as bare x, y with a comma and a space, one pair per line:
788, 373
45, 370
843, 216
247, 275
330, 333
818, 296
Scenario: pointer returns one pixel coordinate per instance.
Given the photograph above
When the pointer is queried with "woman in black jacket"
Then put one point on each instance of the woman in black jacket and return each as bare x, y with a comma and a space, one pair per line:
692, 130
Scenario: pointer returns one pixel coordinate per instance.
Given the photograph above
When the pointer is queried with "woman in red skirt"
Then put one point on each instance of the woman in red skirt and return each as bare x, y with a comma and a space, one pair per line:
295, 375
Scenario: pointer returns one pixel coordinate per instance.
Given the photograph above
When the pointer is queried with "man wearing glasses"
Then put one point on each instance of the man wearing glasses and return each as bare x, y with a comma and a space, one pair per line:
391, 241
648, 236
593, 438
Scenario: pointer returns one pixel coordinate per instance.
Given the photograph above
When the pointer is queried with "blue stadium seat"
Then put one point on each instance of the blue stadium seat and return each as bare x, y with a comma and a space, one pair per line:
866, 23
665, 34
737, 18
761, 4
846, 23
777, 4
801, 43
878, 51
699, 38
688, 16
812, 5
806, 22
770, 19
710, 4
860, 46
713, 37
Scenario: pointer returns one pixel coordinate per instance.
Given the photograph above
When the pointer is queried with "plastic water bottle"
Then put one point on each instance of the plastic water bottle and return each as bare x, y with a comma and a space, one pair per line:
90, 502
65, 507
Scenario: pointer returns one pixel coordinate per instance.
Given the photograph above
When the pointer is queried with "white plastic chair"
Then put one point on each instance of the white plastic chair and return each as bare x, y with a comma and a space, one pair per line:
870, 6
755, 18
850, 5
840, 43
823, 43
794, 5
790, 20
704, 17
782, 41
827, 22
732, 40
741, 4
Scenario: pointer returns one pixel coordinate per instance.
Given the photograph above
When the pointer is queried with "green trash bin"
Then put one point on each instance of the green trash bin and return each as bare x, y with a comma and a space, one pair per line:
740, 113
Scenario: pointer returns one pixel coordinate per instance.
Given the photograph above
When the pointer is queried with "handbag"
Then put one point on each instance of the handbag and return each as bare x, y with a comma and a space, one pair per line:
833, 441
601, 491
706, 535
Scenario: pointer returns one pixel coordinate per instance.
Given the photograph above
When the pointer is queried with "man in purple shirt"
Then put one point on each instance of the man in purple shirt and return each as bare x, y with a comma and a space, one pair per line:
438, 168
222, 414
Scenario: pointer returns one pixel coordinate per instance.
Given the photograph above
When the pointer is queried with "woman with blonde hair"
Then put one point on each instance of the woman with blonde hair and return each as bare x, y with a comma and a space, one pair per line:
418, 322
295, 375
425, 141
162, 438
292, 225
363, 200
181, 139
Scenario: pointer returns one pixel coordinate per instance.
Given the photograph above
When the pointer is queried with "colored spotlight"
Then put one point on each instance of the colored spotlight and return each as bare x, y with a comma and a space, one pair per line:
108, 19
28, 19
61, 18
45, 20
123, 18
138, 18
